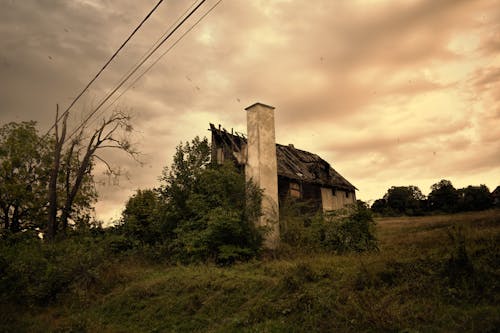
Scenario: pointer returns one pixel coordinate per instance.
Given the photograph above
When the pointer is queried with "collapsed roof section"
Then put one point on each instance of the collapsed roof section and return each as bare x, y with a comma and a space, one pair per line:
293, 163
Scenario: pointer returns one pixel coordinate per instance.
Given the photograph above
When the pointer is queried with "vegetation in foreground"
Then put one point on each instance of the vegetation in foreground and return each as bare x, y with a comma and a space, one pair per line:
437, 273
434, 273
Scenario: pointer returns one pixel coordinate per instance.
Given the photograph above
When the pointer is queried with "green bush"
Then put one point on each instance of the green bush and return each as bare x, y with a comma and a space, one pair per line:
350, 229
35, 272
201, 211
346, 230
220, 224
119, 243
298, 227
142, 219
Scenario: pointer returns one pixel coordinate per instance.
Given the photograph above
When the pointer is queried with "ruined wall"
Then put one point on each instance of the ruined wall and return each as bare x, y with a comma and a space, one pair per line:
336, 199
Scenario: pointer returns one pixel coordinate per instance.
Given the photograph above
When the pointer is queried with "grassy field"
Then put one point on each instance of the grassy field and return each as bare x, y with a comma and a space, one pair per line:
431, 274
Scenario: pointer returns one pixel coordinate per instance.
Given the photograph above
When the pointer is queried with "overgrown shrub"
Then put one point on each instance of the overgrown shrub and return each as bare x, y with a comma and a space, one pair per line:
350, 229
142, 219
119, 243
220, 218
299, 226
201, 211
35, 272
345, 230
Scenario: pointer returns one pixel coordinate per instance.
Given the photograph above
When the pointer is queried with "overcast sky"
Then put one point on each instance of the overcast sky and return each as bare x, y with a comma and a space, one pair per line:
389, 92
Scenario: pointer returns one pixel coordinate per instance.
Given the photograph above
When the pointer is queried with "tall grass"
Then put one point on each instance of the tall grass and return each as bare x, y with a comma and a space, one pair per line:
431, 274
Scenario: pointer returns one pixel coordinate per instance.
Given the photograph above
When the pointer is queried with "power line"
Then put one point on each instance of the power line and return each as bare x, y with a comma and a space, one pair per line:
136, 68
107, 63
158, 40
162, 55
145, 54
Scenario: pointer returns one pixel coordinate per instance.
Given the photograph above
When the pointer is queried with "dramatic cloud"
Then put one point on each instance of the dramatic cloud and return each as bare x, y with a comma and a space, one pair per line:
391, 93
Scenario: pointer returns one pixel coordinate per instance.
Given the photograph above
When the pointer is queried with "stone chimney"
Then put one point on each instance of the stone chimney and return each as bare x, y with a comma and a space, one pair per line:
261, 166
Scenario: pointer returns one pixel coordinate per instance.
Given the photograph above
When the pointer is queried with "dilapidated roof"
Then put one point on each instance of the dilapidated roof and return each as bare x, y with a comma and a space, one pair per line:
305, 166
293, 163
496, 192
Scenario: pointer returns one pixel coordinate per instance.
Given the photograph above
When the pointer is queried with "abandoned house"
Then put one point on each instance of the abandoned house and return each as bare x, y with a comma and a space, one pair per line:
279, 170
300, 174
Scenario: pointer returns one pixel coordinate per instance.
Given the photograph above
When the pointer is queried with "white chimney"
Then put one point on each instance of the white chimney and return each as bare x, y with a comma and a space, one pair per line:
261, 166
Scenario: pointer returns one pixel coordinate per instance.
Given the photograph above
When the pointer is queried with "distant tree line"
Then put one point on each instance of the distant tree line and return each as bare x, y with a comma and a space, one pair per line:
443, 198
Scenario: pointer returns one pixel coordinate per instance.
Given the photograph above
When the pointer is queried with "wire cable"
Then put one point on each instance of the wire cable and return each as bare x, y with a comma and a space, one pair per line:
161, 56
144, 55
158, 40
107, 63
135, 69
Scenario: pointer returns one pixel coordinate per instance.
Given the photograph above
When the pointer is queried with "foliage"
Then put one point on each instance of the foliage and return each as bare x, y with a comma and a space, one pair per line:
23, 175
379, 206
37, 273
300, 225
443, 197
177, 182
352, 229
421, 280
348, 230
474, 198
25, 163
141, 219
201, 211
404, 200
219, 217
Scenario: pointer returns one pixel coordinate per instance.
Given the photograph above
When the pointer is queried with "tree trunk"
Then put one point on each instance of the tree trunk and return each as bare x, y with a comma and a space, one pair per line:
52, 223
70, 196
66, 213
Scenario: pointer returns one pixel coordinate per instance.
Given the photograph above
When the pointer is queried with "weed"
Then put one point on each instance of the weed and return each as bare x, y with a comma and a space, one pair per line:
422, 281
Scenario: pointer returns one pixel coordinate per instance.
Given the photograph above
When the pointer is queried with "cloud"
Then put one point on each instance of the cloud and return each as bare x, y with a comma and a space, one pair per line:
386, 91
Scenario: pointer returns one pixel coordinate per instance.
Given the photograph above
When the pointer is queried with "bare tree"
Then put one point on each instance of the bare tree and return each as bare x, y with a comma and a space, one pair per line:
80, 155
